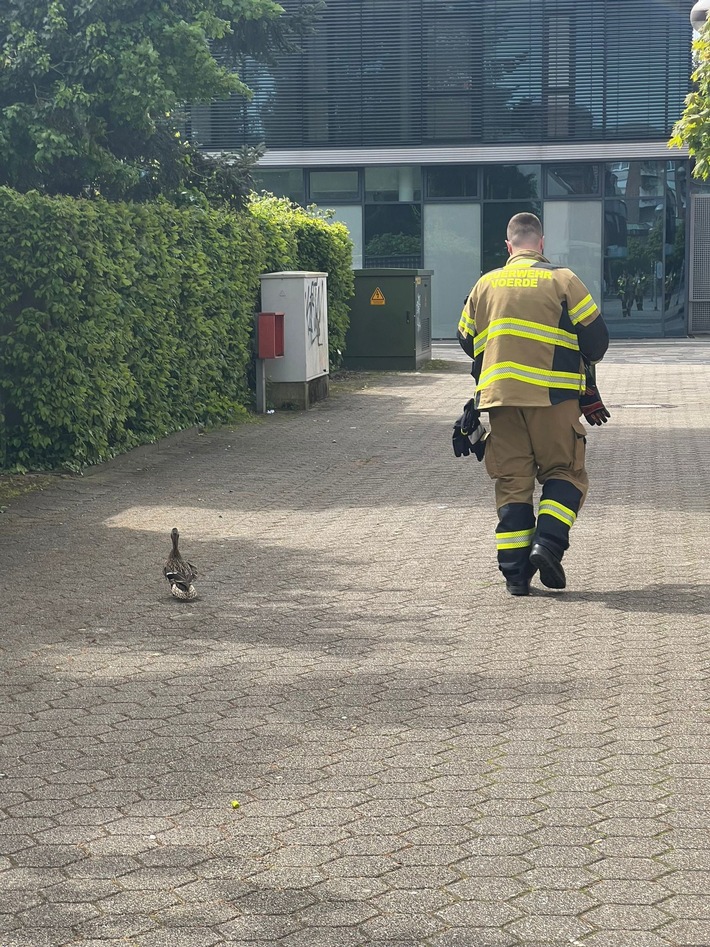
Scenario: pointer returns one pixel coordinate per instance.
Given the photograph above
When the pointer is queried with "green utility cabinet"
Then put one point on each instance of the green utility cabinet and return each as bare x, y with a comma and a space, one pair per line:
390, 320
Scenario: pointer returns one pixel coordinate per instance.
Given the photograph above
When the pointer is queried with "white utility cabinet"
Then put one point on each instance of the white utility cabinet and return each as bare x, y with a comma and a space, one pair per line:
301, 376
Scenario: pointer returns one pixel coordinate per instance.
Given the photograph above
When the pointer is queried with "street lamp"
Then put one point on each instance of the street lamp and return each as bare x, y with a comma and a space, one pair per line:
699, 14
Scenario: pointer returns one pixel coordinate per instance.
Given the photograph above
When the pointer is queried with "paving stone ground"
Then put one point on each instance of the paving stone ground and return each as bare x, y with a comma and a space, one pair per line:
419, 759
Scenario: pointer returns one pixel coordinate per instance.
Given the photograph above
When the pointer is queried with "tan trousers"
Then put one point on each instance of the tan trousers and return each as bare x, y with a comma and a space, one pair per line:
526, 444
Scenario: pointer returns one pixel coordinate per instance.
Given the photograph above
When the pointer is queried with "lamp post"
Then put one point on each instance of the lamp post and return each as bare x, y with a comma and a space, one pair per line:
699, 14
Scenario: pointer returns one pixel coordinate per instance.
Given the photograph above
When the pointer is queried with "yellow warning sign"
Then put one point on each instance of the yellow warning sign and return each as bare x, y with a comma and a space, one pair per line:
378, 298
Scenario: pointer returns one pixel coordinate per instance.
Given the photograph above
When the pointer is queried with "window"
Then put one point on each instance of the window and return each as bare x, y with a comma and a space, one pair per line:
633, 267
283, 182
393, 235
643, 179
573, 238
563, 180
511, 181
393, 184
336, 186
674, 284
450, 181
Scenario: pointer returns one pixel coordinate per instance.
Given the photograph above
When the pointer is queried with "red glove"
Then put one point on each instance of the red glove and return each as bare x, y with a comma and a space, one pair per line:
592, 405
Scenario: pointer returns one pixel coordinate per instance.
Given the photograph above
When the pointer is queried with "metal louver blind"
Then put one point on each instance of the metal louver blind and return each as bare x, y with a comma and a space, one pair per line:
394, 73
700, 264
699, 318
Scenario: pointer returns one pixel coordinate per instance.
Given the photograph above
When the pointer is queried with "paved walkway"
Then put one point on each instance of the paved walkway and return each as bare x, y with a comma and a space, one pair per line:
419, 759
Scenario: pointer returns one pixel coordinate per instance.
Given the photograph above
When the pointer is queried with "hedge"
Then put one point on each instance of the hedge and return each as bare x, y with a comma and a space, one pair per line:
120, 323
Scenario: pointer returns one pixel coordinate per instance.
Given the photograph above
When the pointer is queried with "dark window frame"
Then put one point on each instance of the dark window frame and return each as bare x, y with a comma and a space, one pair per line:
353, 201
371, 167
589, 195
287, 168
427, 198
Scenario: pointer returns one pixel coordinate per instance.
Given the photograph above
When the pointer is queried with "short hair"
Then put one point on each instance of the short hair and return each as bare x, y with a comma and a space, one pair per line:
524, 230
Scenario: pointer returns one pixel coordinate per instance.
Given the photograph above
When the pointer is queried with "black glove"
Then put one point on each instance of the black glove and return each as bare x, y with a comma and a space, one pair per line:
469, 435
591, 403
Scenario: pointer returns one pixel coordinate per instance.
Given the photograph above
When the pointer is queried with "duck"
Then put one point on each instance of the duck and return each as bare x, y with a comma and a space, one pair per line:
180, 573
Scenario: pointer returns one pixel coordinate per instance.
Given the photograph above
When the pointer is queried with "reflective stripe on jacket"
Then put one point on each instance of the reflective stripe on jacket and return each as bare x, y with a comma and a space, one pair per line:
522, 320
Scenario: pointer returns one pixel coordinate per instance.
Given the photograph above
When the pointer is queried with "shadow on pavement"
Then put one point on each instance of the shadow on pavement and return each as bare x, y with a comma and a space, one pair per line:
666, 599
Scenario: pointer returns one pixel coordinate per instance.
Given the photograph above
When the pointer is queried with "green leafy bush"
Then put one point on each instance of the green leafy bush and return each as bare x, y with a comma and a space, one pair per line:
120, 323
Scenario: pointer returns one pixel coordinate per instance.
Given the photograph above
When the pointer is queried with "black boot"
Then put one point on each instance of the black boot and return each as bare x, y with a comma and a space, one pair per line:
552, 575
559, 506
516, 527
517, 588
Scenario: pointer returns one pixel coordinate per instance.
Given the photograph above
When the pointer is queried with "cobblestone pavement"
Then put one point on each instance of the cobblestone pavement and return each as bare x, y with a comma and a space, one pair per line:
419, 759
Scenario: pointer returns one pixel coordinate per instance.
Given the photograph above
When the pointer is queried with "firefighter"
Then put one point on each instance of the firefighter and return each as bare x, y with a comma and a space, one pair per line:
625, 294
529, 327
639, 290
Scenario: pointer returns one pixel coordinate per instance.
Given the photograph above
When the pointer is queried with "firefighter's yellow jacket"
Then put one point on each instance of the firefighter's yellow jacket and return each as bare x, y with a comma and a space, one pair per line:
527, 326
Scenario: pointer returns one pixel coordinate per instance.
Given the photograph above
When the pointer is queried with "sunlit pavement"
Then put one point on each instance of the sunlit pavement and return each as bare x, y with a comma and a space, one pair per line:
417, 758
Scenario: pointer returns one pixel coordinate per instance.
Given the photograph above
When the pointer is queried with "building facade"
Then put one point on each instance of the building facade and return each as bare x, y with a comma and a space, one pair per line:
425, 124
